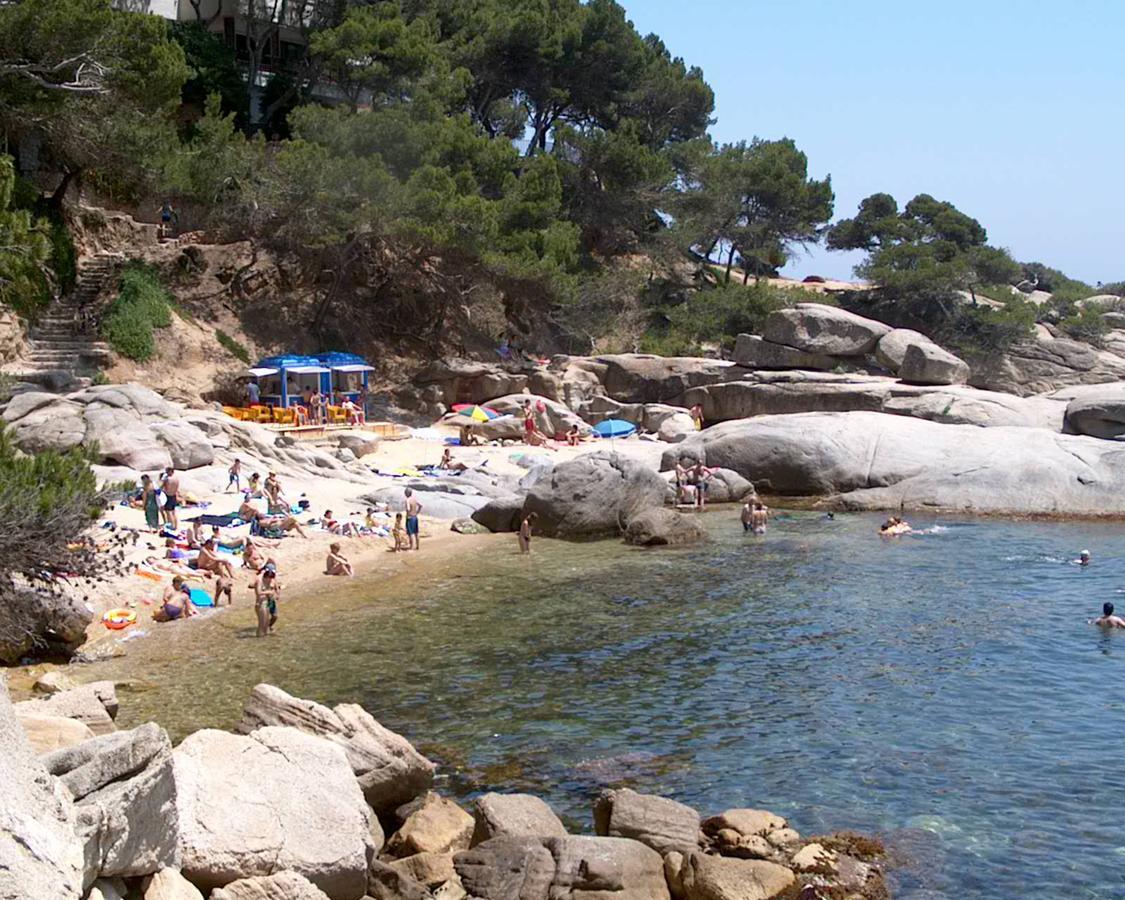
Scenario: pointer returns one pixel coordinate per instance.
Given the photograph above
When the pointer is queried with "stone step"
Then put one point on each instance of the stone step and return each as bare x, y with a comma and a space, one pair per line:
67, 346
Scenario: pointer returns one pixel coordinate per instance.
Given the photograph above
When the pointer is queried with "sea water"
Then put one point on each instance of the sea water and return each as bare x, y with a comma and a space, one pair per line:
944, 691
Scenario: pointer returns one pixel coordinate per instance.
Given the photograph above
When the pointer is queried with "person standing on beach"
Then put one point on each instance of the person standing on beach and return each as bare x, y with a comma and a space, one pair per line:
267, 591
702, 476
525, 532
234, 474
171, 486
413, 508
151, 506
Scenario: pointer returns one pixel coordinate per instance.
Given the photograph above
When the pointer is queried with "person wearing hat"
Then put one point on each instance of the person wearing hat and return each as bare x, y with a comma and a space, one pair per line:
267, 591
1083, 558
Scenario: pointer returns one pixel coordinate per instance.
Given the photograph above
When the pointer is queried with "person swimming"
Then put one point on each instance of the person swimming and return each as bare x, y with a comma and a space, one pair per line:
895, 526
1083, 558
1108, 619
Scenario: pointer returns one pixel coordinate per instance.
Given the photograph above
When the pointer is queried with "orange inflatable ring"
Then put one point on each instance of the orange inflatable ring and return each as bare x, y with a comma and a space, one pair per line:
117, 619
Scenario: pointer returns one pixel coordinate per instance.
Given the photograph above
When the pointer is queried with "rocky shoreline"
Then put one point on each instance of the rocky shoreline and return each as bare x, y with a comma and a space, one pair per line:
304, 802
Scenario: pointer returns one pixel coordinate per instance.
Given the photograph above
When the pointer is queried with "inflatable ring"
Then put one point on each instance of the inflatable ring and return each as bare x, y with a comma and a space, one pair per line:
117, 619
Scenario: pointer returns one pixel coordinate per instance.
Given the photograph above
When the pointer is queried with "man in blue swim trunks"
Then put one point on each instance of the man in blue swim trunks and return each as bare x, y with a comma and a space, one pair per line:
413, 508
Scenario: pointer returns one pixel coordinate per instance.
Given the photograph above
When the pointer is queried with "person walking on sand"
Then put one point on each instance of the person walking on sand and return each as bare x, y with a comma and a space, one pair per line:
267, 591
1108, 619
150, 503
337, 564
234, 476
525, 532
413, 508
171, 486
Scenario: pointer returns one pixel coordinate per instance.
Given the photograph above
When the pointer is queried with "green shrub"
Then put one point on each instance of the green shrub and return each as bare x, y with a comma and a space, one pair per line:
984, 329
233, 346
100, 378
141, 306
1085, 324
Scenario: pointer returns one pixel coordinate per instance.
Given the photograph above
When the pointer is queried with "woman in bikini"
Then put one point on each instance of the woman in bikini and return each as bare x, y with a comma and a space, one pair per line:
267, 591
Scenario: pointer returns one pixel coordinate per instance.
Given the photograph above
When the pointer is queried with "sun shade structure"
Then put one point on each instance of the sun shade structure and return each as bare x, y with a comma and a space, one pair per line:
615, 428
283, 380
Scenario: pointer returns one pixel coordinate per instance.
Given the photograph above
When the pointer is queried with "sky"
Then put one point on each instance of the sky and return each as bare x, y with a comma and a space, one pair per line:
1012, 111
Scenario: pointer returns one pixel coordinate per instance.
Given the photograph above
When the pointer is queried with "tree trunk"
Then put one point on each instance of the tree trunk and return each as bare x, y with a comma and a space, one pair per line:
730, 262
55, 203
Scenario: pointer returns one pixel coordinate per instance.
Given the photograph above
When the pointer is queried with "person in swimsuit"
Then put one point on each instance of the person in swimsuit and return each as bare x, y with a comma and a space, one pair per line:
758, 518
702, 476
267, 591
413, 508
171, 485
399, 534
525, 532
254, 488
1108, 619
1083, 558
177, 602
151, 506
234, 474
337, 564
208, 561
172, 551
696, 413
747, 514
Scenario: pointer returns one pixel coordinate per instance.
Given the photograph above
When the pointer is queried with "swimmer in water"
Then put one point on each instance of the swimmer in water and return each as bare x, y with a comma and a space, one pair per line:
1108, 619
1083, 558
894, 526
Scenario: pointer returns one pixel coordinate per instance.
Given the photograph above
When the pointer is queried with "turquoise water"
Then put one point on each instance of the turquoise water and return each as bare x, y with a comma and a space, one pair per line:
944, 691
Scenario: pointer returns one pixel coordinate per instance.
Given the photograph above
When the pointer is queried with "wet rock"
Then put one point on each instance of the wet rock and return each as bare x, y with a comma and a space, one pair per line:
657, 822
53, 682
432, 824
286, 885
125, 798
721, 878
744, 822
389, 770
930, 364
593, 494
468, 526
276, 799
816, 328
501, 514
40, 855
663, 527
513, 815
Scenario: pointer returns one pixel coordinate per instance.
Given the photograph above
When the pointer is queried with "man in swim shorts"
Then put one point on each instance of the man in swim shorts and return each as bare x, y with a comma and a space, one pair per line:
413, 508
759, 517
171, 486
1108, 619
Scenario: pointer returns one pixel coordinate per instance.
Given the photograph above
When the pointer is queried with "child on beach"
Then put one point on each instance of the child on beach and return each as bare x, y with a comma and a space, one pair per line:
337, 564
235, 476
399, 533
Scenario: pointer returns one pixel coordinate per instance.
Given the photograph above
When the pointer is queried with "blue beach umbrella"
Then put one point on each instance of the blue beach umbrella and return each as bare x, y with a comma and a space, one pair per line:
615, 428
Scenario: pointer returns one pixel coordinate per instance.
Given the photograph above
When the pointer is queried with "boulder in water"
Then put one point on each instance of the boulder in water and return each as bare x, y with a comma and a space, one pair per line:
663, 527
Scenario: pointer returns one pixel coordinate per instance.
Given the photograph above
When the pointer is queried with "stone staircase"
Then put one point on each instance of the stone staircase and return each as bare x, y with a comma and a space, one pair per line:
64, 339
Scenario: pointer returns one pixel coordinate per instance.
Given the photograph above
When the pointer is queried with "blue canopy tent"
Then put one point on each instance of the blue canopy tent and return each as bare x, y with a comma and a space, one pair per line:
283, 380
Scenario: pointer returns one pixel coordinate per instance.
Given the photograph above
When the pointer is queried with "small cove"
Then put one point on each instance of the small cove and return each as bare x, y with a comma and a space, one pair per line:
944, 690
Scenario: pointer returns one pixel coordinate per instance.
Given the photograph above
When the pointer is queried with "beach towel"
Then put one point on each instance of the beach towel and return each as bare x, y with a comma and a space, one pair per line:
226, 520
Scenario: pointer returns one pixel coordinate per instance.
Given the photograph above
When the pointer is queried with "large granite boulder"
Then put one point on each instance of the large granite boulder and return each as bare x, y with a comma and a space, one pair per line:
722, 878
275, 799
507, 867
501, 513
878, 461
40, 853
386, 882
93, 704
1098, 410
388, 768
657, 822
640, 378
593, 494
169, 884
188, 446
892, 346
663, 527
755, 352
469, 381
47, 733
676, 428
554, 419
34, 622
1044, 364
286, 885
817, 328
930, 364
513, 815
125, 795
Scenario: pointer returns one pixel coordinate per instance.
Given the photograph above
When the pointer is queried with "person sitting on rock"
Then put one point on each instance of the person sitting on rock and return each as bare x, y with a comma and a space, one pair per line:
573, 438
1108, 619
336, 564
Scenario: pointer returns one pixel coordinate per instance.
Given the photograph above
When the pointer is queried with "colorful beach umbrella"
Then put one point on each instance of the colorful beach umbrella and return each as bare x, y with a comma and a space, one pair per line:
476, 413
615, 428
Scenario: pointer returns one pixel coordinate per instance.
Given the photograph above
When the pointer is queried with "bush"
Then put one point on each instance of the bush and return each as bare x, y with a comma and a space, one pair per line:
233, 346
141, 306
1085, 324
718, 315
985, 329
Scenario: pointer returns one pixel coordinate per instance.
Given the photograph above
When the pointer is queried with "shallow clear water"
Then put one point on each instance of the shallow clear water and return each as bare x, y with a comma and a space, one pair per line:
944, 691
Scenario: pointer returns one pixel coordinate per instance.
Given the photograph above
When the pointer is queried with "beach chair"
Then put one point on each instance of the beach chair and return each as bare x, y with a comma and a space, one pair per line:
261, 414
285, 416
337, 416
234, 412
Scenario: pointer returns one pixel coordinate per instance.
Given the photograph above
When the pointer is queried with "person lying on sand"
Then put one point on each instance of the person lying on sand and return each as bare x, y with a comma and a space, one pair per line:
336, 564
1108, 619
448, 463
176, 603
265, 524
172, 568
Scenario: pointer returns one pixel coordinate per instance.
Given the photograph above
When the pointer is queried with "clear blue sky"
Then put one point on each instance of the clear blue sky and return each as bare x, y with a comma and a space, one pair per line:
1013, 110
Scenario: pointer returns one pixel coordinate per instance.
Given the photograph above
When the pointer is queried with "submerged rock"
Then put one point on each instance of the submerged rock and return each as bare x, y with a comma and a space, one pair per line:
663, 527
